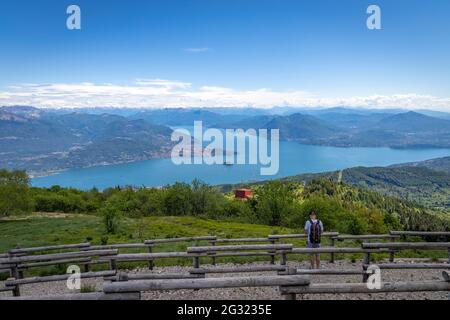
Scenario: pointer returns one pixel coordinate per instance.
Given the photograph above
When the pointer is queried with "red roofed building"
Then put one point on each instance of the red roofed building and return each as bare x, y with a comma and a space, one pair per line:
243, 194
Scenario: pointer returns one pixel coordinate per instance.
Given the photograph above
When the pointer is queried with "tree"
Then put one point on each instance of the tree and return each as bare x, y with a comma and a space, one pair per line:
275, 201
14, 193
111, 219
178, 200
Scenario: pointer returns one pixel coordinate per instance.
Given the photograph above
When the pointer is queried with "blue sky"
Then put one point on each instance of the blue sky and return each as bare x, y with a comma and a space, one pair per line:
225, 52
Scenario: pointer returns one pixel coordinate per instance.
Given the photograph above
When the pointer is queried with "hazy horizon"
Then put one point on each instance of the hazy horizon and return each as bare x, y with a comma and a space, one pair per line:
274, 109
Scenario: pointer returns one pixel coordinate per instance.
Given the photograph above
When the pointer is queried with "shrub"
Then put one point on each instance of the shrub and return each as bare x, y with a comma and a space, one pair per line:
274, 203
104, 240
111, 219
14, 193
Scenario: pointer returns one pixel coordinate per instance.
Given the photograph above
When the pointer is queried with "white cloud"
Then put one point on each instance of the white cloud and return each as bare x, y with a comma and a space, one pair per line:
163, 83
197, 50
148, 93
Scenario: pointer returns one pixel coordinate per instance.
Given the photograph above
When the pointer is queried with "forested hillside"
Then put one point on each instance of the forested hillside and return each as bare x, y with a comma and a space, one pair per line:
343, 208
428, 187
41, 141
440, 164
426, 183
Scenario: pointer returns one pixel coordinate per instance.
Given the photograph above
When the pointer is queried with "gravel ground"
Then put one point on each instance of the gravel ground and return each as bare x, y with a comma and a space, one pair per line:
267, 293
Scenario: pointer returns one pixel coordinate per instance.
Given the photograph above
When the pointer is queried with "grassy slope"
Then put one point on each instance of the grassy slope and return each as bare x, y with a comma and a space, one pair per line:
38, 230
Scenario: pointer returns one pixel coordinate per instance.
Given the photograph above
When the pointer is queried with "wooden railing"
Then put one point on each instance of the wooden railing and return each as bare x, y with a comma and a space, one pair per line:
290, 292
19, 259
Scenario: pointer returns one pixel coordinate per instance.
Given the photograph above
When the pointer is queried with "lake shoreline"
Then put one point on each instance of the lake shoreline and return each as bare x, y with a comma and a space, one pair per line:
294, 159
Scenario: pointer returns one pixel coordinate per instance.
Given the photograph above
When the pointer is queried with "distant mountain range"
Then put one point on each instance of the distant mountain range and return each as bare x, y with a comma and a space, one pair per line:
39, 141
404, 130
339, 127
186, 117
54, 139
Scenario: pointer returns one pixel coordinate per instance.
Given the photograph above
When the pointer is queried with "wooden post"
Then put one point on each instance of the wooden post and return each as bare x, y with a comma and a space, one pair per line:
151, 264
196, 262
291, 271
213, 258
367, 258
366, 262
446, 276
16, 291
283, 258
196, 265
392, 254
112, 264
15, 274
290, 296
332, 254
122, 276
272, 256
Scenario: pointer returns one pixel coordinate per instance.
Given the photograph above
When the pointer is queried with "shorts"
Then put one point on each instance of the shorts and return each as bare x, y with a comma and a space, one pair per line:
313, 245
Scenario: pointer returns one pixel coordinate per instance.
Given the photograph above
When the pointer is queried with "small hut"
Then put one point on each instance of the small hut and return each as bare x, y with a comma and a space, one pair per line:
243, 194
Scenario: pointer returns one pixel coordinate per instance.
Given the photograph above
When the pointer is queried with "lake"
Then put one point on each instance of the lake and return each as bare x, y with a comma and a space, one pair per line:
295, 158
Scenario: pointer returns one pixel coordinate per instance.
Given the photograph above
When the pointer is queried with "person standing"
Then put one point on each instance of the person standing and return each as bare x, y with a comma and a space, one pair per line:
314, 230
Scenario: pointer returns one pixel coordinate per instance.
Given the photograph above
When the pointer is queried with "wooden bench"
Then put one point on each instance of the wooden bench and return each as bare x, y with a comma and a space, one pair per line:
14, 284
122, 276
336, 250
330, 271
26, 251
290, 292
366, 237
411, 266
406, 245
81, 296
136, 257
421, 233
240, 241
207, 283
238, 269
16, 264
152, 242
233, 251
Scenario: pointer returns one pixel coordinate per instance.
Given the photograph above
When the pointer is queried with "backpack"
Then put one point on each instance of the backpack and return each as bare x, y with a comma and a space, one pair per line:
315, 232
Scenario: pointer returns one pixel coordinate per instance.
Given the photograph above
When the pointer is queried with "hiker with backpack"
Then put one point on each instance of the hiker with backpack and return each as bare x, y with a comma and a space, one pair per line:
314, 230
